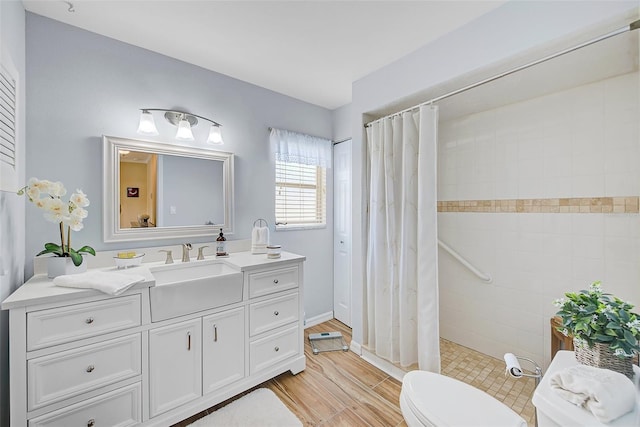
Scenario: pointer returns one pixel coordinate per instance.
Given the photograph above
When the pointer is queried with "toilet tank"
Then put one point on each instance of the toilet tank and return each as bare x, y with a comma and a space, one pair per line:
553, 411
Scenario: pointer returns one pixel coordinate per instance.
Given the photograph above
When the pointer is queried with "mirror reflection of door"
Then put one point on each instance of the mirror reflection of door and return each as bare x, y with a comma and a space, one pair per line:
138, 177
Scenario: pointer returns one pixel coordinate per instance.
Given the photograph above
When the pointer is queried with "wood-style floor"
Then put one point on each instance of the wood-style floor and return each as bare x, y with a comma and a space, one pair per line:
336, 389
341, 389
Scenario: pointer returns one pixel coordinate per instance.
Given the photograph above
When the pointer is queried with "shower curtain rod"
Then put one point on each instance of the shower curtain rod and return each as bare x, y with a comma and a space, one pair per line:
633, 26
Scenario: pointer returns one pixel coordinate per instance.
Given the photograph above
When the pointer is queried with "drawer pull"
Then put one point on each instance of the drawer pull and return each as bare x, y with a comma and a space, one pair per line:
275, 281
215, 333
275, 313
277, 348
91, 423
89, 320
90, 368
188, 341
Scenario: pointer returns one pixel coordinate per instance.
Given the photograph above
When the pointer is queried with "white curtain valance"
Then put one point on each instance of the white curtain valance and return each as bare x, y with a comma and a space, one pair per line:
299, 148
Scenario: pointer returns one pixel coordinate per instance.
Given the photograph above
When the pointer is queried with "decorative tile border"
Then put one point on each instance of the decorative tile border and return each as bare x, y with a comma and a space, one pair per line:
564, 205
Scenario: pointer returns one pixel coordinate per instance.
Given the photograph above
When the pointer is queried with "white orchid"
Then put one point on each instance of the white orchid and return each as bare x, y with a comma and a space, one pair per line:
46, 195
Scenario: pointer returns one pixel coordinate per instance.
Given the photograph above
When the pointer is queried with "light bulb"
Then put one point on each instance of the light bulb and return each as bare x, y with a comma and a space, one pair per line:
184, 131
215, 136
147, 125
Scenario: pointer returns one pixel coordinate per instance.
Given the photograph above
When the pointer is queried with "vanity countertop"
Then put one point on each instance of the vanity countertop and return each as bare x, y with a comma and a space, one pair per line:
41, 290
247, 261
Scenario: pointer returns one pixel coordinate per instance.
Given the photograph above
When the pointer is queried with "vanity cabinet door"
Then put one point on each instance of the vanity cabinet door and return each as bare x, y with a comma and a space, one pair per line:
223, 340
175, 357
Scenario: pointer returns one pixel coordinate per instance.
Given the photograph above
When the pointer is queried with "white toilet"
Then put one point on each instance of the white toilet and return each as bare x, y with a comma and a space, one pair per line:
429, 399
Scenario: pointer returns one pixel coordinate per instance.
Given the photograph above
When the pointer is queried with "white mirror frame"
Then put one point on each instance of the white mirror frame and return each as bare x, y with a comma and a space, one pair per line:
111, 194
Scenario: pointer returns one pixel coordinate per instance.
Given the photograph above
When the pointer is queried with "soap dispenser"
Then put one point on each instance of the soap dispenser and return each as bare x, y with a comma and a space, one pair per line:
221, 243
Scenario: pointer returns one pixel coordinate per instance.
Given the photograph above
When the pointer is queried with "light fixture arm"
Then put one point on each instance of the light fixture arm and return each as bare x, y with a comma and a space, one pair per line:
181, 115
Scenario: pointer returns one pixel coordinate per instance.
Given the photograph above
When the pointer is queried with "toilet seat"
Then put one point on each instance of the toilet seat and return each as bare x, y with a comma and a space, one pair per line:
429, 399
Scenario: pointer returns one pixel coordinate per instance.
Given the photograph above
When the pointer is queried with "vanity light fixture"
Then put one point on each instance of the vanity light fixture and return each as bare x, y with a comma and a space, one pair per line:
183, 120
215, 136
147, 125
184, 131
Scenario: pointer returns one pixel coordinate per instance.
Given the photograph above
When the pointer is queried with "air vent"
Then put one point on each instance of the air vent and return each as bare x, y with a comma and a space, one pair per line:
7, 119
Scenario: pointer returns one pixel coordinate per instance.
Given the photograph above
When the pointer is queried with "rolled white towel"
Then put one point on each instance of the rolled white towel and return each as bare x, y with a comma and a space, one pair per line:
607, 394
104, 281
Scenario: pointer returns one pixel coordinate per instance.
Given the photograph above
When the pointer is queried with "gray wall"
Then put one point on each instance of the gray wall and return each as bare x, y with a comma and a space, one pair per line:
341, 121
503, 33
12, 225
83, 85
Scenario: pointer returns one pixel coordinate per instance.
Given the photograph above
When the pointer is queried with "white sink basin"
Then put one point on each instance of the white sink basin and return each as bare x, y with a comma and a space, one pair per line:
190, 287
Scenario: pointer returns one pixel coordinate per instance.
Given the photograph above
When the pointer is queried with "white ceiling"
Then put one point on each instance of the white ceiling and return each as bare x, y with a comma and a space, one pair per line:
309, 50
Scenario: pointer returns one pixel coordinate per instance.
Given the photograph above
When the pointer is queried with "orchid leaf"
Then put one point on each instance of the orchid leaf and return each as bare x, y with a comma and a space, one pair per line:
87, 249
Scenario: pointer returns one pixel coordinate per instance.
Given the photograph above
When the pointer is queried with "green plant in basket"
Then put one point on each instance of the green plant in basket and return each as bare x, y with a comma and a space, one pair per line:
47, 196
596, 317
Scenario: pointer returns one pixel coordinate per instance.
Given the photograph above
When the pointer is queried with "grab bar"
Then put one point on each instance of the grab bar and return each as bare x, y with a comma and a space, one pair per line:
456, 255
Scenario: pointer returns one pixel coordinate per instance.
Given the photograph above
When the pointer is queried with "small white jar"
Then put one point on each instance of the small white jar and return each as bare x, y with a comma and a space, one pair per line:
273, 251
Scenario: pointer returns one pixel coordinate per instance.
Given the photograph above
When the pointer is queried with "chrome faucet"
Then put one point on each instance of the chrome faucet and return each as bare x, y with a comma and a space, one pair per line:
186, 247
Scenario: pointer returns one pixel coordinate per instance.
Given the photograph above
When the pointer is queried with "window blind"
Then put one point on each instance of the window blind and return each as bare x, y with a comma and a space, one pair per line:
300, 194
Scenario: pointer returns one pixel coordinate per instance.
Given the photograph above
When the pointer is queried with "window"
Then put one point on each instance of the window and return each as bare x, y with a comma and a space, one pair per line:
300, 179
300, 194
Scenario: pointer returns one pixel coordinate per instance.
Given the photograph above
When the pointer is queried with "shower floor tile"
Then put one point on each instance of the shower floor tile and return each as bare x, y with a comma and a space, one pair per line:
487, 374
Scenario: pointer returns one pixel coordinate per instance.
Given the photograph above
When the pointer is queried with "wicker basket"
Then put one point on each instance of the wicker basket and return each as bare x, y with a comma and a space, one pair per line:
601, 356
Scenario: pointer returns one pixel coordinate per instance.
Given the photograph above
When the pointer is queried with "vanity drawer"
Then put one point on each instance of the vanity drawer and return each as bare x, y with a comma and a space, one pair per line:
269, 314
73, 322
267, 282
121, 407
275, 348
70, 373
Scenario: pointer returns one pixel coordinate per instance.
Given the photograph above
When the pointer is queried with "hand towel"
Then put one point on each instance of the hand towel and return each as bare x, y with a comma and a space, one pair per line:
607, 394
259, 240
104, 281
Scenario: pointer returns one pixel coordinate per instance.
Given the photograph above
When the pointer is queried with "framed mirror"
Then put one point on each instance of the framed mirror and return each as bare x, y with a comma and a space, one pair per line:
153, 191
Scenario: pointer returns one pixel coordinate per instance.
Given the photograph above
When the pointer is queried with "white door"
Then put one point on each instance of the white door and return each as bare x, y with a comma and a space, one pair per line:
222, 349
342, 232
175, 365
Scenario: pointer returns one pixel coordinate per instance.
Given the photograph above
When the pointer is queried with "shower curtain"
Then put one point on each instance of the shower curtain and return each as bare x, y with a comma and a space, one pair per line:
402, 264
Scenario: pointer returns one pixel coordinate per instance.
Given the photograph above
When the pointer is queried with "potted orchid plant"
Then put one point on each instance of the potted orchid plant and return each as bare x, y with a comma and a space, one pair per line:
47, 195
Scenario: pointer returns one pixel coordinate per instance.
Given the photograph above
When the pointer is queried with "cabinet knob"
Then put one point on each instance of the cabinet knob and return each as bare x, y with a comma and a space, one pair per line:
90, 368
91, 423
275, 281
276, 313
277, 348
89, 320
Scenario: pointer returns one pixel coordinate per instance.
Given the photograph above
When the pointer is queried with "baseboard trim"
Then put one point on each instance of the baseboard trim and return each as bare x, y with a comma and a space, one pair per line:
383, 364
356, 347
316, 320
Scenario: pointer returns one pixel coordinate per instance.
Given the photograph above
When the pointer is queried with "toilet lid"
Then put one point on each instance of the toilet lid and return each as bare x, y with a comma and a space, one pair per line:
443, 401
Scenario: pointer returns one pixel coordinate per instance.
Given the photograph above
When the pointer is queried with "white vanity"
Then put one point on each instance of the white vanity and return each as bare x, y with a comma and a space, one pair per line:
81, 357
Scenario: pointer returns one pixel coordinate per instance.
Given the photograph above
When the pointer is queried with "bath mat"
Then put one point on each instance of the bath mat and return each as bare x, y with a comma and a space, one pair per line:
259, 408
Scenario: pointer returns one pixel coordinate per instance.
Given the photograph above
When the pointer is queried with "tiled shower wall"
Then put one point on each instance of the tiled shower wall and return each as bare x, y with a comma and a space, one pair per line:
502, 173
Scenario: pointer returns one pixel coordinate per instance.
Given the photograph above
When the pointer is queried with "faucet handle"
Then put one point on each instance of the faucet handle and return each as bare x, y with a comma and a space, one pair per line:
200, 254
169, 259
